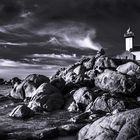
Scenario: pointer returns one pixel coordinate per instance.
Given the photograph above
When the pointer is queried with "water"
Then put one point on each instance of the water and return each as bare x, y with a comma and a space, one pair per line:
66, 138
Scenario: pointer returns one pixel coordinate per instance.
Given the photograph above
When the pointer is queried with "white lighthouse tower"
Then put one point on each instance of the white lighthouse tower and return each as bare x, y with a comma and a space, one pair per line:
132, 51
129, 40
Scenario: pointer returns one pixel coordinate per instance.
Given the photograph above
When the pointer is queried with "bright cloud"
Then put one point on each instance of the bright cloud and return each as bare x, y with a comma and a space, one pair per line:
59, 56
71, 34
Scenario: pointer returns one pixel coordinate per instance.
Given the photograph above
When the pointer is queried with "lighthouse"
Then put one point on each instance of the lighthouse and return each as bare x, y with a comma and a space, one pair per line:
132, 51
129, 39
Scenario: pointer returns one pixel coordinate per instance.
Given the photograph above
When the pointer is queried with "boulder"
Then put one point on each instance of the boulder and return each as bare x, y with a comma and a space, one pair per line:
37, 79
46, 98
121, 126
114, 82
58, 73
58, 83
81, 98
70, 104
67, 74
18, 92
129, 68
76, 74
2, 81
21, 112
99, 65
106, 103
26, 88
73, 107
91, 74
100, 52
85, 69
103, 62
15, 80
89, 63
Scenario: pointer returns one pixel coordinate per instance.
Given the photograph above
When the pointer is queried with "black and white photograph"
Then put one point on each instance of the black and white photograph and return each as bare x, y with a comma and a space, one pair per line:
70, 69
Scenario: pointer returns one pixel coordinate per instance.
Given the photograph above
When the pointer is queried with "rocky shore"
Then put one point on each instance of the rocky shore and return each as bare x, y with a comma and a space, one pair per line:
95, 98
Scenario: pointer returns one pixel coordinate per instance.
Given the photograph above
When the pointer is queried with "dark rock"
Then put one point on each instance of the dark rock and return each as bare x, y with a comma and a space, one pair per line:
47, 98
121, 126
21, 112
2, 81
15, 80
97, 92
115, 82
136, 138
130, 102
7, 83
27, 87
58, 83
3, 135
47, 133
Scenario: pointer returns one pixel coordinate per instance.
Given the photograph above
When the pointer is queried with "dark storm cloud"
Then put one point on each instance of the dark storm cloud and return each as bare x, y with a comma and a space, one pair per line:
70, 9
65, 9
9, 9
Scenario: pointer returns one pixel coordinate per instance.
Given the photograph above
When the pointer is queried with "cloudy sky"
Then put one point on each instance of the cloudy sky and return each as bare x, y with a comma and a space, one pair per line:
40, 36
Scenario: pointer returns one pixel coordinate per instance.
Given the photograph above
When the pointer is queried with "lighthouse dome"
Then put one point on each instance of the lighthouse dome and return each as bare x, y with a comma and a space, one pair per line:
129, 33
